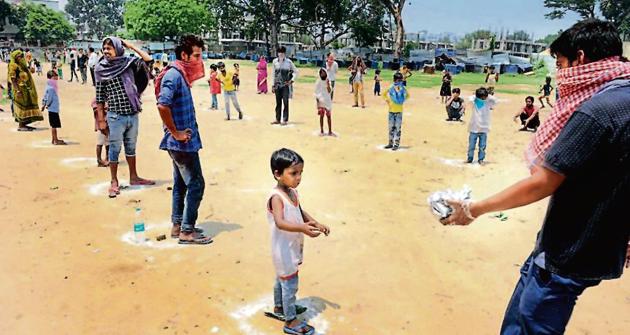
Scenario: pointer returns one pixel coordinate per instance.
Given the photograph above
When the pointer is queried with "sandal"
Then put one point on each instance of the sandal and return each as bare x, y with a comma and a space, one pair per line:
141, 181
177, 229
60, 142
114, 191
197, 240
280, 315
24, 129
300, 329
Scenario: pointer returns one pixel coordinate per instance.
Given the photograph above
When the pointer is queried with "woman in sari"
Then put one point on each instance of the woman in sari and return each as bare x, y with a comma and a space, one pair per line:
22, 92
262, 75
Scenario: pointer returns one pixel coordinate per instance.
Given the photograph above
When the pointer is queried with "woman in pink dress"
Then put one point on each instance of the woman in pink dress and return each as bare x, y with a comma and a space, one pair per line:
262, 75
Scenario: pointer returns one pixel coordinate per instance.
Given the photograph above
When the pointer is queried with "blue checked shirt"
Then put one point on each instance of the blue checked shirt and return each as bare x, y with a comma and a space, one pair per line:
175, 93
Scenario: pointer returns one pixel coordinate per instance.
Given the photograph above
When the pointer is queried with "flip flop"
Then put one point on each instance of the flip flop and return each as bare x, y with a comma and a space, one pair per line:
199, 241
280, 316
24, 129
142, 182
114, 191
60, 142
301, 329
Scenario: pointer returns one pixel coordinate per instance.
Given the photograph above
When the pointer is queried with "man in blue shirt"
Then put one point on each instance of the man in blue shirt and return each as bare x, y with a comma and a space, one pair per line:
586, 171
182, 139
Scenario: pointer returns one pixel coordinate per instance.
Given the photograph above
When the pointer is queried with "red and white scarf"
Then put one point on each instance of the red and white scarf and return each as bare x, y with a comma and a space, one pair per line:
191, 71
575, 85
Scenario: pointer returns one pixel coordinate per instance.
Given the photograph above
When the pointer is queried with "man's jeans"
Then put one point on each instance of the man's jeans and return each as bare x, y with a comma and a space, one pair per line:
123, 129
231, 95
395, 127
472, 142
542, 301
284, 296
188, 187
83, 72
282, 99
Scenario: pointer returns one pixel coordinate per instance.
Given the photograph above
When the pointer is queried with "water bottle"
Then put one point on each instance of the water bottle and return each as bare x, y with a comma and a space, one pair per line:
138, 226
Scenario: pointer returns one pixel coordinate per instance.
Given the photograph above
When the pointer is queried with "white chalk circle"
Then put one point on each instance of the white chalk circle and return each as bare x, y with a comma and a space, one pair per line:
400, 149
288, 125
325, 135
150, 232
45, 144
79, 162
101, 189
458, 163
244, 314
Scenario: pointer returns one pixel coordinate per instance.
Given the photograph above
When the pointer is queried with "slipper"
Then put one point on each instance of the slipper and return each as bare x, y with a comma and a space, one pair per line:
101, 164
275, 122
200, 241
60, 142
24, 129
301, 329
114, 191
142, 182
280, 316
196, 230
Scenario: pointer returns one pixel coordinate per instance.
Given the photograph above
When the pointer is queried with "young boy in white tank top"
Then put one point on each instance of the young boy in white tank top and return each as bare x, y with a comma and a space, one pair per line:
289, 223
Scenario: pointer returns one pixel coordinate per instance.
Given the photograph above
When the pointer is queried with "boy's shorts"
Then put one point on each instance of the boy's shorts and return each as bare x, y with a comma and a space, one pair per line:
101, 139
321, 111
53, 120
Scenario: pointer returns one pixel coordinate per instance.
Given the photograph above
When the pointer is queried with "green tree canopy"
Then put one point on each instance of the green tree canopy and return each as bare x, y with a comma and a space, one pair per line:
519, 35
466, 42
549, 38
101, 18
159, 20
559, 8
39, 23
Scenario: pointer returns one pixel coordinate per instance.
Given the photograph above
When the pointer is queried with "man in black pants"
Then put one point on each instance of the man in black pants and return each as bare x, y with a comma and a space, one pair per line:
284, 74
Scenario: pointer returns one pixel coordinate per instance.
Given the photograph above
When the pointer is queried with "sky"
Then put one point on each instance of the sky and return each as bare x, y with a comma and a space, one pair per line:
461, 16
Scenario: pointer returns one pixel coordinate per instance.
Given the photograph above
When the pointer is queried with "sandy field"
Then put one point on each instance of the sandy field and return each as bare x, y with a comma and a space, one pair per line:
68, 265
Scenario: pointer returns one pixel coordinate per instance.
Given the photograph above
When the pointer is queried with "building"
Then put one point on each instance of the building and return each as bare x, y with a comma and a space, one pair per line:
511, 47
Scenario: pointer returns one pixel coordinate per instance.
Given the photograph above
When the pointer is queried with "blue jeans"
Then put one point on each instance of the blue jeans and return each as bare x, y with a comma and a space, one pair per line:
284, 296
188, 187
395, 127
542, 301
472, 142
215, 102
123, 129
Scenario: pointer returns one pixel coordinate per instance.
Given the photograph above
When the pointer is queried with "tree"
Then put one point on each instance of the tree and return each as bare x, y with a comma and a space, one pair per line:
160, 20
618, 12
466, 42
519, 35
549, 38
395, 8
101, 18
559, 8
40, 23
5, 12
366, 22
325, 20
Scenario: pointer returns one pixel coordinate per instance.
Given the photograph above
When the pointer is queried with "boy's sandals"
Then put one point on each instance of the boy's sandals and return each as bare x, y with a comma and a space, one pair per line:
280, 315
176, 230
198, 239
102, 164
300, 329
141, 181
113, 191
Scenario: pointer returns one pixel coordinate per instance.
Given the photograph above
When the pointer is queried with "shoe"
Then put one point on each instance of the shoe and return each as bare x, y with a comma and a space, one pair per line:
240, 115
469, 161
389, 146
396, 147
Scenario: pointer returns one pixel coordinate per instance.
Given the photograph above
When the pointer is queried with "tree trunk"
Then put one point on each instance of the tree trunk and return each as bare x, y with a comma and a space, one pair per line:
400, 35
322, 41
274, 38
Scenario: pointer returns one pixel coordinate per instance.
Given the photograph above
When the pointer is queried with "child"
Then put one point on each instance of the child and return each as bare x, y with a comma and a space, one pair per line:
492, 79
235, 79
215, 86
38, 67
396, 97
528, 115
547, 88
445, 90
101, 139
323, 92
51, 101
289, 223
59, 70
455, 106
377, 82
406, 72
479, 123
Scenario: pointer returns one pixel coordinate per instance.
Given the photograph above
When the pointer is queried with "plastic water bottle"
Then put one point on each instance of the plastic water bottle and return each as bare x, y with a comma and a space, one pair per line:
138, 226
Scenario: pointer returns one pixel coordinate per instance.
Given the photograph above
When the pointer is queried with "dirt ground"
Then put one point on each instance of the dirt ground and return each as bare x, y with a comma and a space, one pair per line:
388, 267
